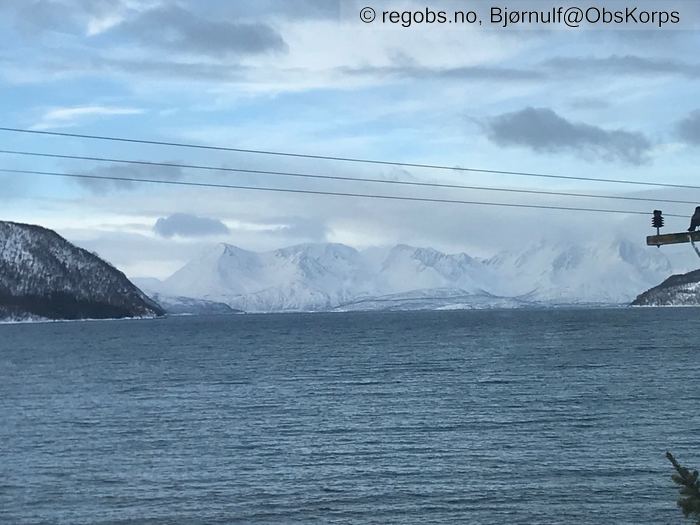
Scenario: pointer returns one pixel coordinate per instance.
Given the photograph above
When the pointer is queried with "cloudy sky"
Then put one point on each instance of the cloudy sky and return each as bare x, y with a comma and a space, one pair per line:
308, 76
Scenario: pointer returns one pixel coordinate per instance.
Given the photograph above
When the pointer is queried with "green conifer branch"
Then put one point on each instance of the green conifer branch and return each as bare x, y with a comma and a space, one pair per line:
689, 499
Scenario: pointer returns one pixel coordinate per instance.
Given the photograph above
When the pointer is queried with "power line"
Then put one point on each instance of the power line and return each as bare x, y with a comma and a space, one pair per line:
342, 178
343, 159
330, 193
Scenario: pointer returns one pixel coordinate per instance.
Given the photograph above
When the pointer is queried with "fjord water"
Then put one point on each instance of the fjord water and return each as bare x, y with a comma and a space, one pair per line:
482, 417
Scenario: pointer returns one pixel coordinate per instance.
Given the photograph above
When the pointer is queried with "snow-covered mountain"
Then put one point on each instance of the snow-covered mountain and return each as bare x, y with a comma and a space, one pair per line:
677, 290
314, 277
304, 277
610, 272
44, 276
406, 268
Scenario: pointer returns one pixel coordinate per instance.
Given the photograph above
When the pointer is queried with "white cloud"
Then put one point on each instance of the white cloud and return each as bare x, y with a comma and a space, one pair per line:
70, 116
97, 25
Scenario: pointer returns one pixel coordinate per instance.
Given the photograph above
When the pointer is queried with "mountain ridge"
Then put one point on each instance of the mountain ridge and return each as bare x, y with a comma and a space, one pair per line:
332, 276
677, 290
43, 276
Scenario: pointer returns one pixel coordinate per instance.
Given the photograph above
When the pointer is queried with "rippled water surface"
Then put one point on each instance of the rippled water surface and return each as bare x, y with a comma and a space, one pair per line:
485, 417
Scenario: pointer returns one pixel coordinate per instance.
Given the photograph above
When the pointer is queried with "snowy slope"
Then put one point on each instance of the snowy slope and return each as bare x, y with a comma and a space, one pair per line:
332, 276
44, 276
610, 272
678, 290
178, 305
407, 268
304, 277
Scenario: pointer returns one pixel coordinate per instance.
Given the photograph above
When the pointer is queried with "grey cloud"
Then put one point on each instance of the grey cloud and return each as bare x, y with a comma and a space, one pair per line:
551, 69
126, 172
542, 130
589, 103
186, 225
71, 16
170, 69
458, 73
46, 15
689, 129
309, 8
304, 9
173, 70
58, 15
183, 29
622, 65
178, 29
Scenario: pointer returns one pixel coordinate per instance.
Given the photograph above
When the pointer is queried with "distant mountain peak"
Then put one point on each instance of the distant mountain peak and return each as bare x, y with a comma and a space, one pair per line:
230, 249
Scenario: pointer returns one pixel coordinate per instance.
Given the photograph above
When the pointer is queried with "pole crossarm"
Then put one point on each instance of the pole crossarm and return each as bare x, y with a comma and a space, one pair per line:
673, 238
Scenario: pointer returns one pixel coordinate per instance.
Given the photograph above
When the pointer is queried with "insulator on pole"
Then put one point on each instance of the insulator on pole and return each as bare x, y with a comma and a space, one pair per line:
658, 220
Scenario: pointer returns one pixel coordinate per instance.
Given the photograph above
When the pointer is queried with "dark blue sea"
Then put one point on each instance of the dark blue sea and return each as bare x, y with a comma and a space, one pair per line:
482, 417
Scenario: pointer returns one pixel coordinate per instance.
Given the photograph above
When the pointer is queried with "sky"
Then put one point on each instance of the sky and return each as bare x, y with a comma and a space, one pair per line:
308, 76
